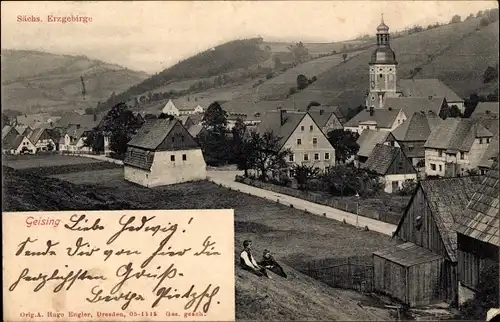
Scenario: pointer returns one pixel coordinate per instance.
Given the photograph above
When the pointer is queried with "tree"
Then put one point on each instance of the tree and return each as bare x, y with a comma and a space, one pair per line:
277, 63
215, 119
302, 82
484, 22
165, 116
456, 19
344, 143
304, 173
408, 187
94, 140
267, 153
490, 74
213, 141
300, 52
344, 56
121, 124
455, 111
345, 180
486, 296
313, 103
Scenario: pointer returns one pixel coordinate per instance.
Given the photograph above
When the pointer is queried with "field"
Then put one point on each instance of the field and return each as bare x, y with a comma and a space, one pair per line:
293, 236
35, 161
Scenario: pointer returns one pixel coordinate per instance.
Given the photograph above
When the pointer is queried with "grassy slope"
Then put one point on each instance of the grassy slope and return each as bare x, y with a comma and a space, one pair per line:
412, 51
289, 234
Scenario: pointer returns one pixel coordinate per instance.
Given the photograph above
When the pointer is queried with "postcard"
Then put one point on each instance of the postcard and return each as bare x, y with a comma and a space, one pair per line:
250, 160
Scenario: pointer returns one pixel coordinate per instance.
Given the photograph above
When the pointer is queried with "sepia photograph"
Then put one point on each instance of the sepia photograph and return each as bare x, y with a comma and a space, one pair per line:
349, 148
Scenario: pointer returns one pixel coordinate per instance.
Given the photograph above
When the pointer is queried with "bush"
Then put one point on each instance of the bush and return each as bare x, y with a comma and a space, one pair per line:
486, 296
484, 22
408, 188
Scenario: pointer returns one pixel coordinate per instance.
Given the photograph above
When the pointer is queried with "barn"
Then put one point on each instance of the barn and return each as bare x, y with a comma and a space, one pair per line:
162, 153
478, 234
423, 270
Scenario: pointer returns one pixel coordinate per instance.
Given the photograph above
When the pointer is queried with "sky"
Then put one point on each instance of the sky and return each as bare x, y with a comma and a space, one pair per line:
151, 36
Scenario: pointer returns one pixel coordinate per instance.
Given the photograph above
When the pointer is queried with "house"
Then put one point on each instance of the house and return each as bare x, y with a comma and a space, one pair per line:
36, 120
423, 270
430, 87
326, 117
302, 135
391, 163
41, 139
186, 121
181, 109
74, 140
455, 146
162, 153
477, 234
490, 156
368, 140
375, 119
486, 109
20, 144
87, 121
413, 133
410, 105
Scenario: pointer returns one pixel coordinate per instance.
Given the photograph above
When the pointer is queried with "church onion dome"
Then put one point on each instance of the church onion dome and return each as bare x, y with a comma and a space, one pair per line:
382, 28
383, 55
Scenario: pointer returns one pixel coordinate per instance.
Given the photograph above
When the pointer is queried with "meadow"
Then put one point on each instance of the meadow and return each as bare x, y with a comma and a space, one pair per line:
293, 236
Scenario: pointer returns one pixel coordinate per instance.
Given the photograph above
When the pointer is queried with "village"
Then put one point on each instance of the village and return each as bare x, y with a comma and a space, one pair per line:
417, 166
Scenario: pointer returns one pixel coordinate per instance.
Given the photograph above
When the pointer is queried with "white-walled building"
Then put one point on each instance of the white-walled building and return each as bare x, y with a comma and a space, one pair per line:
162, 153
171, 109
376, 119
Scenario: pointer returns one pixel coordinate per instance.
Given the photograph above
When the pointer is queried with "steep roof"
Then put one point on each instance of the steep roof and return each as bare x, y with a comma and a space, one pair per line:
368, 139
417, 127
195, 130
250, 110
85, 121
447, 198
36, 134
272, 121
456, 134
21, 129
481, 216
490, 123
486, 108
321, 114
491, 153
13, 144
152, 133
75, 132
427, 87
381, 159
5, 130
383, 117
33, 119
411, 105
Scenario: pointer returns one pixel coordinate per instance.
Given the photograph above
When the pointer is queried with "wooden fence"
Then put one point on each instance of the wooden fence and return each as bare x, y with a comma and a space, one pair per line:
350, 207
355, 272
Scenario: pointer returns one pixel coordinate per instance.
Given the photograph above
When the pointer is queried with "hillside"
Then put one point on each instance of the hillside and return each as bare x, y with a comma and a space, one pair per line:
35, 81
457, 54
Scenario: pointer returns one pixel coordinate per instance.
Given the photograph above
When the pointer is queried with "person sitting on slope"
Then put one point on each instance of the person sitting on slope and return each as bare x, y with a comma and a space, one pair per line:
248, 263
271, 264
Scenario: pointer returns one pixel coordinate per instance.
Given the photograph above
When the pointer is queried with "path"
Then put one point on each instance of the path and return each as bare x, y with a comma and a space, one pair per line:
226, 179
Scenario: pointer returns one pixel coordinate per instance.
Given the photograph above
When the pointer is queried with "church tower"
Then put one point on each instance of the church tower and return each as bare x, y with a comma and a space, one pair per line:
382, 70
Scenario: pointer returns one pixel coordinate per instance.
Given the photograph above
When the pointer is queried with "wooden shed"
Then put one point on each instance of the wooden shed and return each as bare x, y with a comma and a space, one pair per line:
423, 271
478, 234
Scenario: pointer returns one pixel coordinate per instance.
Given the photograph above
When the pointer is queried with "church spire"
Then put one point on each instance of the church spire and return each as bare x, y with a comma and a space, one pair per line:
382, 20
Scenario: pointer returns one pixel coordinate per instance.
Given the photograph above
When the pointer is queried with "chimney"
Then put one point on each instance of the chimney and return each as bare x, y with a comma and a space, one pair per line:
321, 112
371, 111
282, 116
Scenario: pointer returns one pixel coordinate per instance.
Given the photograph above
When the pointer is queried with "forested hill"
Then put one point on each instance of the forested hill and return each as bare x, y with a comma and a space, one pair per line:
231, 56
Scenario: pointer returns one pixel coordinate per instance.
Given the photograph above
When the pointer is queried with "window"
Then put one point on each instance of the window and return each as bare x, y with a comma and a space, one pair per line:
182, 138
440, 153
433, 167
173, 139
172, 158
316, 156
315, 141
311, 128
418, 222
487, 140
440, 167
306, 157
299, 141
302, 128
290, 158
462, 155
480, 141
327, 156
184, 157
380, 76
410, 148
